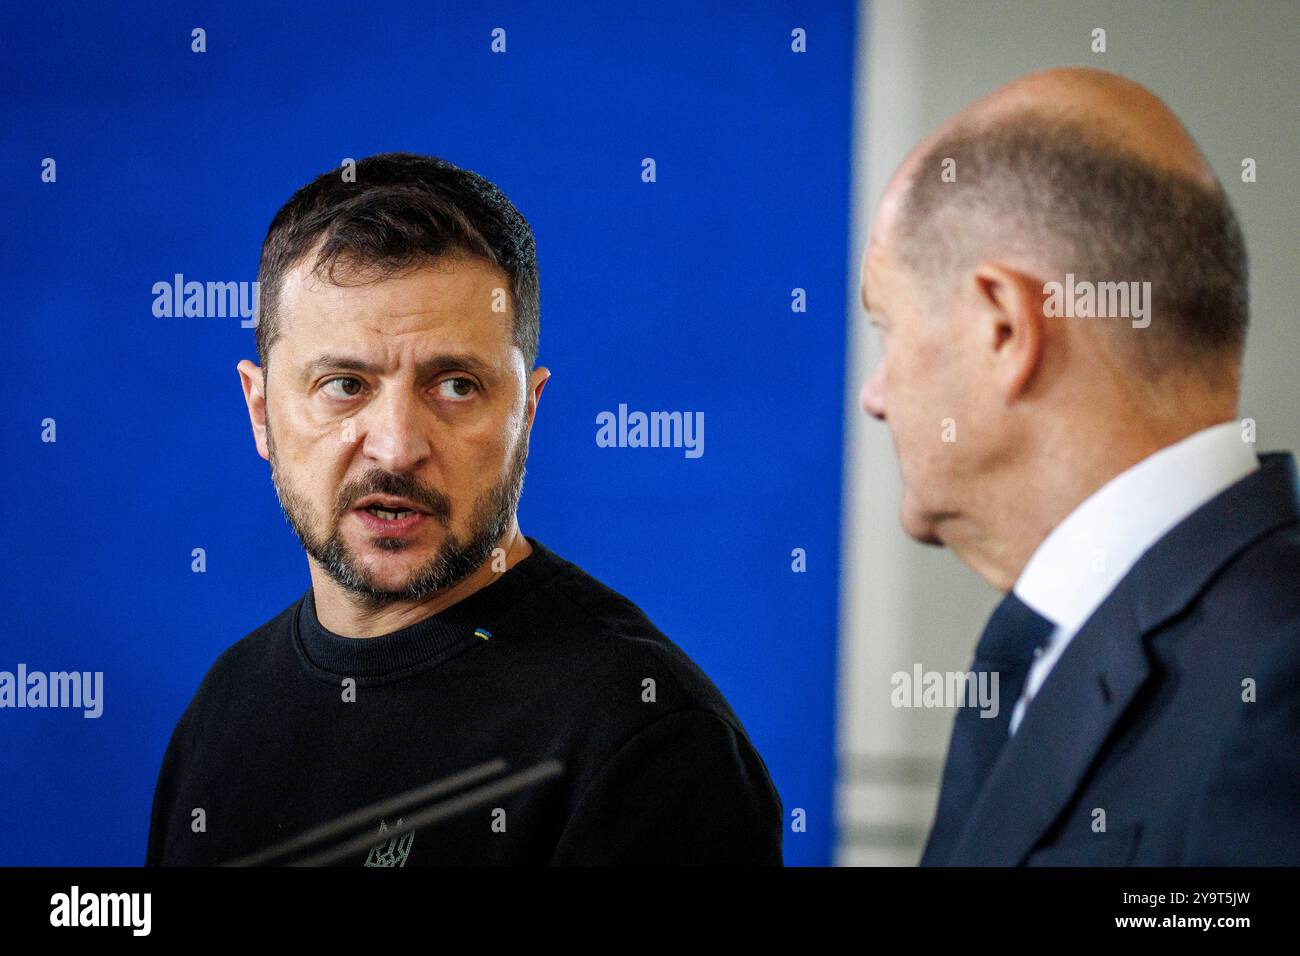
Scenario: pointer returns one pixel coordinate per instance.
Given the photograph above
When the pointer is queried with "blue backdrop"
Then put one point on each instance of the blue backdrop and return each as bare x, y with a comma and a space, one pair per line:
671, 295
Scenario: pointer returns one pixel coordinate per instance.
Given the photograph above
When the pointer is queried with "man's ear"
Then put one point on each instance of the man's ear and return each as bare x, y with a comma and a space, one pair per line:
1010, 304
250, 376
536, 382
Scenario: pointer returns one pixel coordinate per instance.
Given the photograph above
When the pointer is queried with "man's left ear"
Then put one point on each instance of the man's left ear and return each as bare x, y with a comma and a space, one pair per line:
1010, 304
536, 382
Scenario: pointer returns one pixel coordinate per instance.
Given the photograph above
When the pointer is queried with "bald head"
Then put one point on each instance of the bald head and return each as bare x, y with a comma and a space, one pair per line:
1104, 105
1111, 108
1084, 172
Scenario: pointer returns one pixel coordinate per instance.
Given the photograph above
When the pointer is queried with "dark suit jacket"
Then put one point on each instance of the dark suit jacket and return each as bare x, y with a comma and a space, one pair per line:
1143, 719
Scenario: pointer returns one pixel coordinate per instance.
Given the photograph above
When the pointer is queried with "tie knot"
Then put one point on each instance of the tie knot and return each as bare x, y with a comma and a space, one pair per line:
1013, 633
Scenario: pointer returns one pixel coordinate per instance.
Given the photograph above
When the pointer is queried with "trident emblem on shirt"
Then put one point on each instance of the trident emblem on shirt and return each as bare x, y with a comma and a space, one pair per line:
395, 851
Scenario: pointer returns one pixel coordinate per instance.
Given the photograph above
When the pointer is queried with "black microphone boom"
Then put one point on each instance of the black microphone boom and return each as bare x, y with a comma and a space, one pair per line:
351, 832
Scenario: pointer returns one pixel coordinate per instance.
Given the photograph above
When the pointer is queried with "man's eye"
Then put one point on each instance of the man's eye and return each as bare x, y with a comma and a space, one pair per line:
457, 389
348, 387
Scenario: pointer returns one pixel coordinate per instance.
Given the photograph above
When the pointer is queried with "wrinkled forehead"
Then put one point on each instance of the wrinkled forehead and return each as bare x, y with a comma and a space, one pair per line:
873, 278
877, 259
464, 298
890, 209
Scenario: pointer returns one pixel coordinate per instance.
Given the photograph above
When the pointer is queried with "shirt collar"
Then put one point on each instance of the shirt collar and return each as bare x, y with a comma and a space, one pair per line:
425, 643
1084, 557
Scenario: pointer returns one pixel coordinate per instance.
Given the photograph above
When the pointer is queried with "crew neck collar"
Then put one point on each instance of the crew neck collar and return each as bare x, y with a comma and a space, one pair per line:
423, 644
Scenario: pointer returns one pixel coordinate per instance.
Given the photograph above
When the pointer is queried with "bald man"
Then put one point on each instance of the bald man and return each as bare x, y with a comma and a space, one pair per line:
1060, 287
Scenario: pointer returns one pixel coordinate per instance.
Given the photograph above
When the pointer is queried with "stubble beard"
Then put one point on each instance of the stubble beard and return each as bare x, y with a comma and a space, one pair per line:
456, 558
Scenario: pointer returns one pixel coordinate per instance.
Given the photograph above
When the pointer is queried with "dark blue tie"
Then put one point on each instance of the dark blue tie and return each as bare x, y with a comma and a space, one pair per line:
1012, 636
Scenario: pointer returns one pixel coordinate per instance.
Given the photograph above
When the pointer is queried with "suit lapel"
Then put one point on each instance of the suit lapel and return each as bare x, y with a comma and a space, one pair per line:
1045, 761
1106, 664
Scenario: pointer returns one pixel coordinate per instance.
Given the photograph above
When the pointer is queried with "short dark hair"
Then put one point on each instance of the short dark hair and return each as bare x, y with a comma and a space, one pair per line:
401, 208
1081, 202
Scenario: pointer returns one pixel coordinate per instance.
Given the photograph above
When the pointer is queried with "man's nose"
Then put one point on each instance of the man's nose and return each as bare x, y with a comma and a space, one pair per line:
872, 396
395, 433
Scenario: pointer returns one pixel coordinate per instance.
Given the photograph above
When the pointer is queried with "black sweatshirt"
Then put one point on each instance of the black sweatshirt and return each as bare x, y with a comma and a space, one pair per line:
545, 662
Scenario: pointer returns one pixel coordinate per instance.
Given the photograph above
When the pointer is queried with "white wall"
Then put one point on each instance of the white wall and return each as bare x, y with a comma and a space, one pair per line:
1228, 69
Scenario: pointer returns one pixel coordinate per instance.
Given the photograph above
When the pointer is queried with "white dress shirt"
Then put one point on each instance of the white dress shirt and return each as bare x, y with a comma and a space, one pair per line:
1086, 556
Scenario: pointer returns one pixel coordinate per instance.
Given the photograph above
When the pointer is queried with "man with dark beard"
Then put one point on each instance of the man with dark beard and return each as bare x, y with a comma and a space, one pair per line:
397, 336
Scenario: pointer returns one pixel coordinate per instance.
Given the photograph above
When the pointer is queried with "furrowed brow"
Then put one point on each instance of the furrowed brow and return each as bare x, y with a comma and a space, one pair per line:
426, 367
336, 363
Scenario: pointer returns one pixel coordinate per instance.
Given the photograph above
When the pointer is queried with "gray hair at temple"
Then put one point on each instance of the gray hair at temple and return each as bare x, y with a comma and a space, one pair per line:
1052, 192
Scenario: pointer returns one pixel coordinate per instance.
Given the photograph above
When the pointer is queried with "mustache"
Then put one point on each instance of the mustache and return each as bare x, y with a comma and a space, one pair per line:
435, 502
